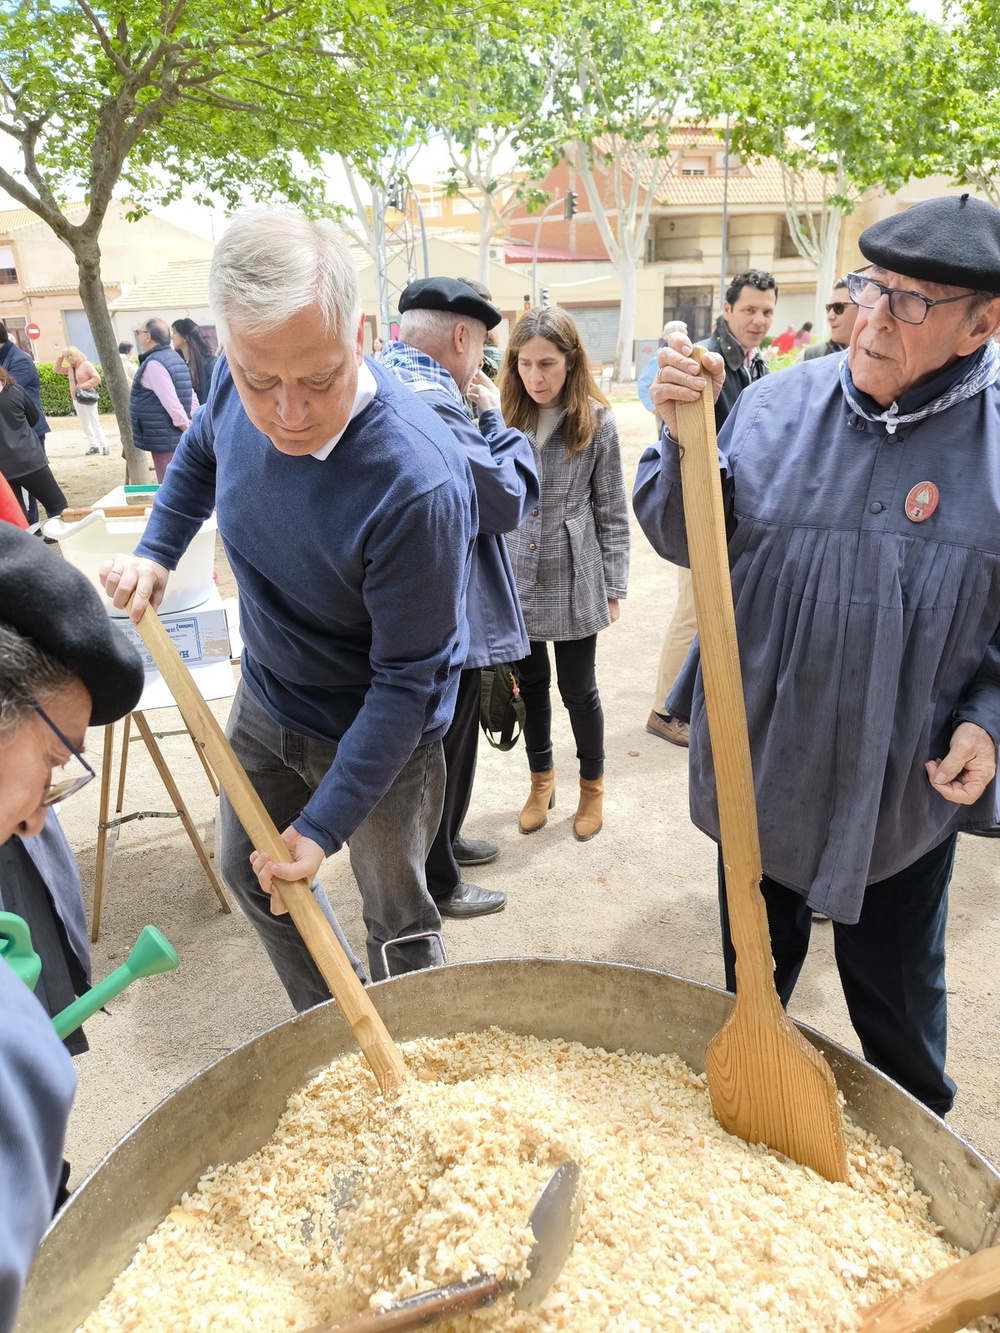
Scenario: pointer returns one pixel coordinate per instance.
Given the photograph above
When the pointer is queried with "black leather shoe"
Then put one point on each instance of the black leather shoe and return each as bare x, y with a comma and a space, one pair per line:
976, 832
470, 853
470, 900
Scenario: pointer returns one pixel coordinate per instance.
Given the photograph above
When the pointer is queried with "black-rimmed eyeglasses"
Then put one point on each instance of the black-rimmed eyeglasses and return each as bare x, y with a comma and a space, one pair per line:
72, 782
907, 307
836, 308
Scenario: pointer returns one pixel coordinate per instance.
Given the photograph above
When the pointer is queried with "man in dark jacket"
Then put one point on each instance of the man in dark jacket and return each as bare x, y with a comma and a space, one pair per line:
746, 317
162, 400
443, 328
841, 312
22, 370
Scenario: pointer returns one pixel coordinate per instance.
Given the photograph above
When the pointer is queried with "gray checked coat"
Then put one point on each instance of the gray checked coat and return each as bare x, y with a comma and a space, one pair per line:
571, 553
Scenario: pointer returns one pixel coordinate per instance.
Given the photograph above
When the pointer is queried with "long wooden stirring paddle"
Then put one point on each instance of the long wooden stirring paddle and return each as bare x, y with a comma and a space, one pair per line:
943, 1303
317, 933
767, 1083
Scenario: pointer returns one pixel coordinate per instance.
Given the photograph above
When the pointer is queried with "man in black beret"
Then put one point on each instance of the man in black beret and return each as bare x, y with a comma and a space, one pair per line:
63, 666
863, 503
439, 353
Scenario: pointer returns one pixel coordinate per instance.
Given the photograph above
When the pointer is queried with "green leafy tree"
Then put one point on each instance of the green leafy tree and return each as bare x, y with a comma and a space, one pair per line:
490, 111
849, 96
971, 149
213, 98
631, 78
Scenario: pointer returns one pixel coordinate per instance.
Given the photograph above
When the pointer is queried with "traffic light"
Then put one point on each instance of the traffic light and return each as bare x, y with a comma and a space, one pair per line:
545, 296
527, 301
569, 207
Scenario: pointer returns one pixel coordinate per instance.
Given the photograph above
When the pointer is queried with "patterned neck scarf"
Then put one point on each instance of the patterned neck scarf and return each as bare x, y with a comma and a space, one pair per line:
413, 367
982, 371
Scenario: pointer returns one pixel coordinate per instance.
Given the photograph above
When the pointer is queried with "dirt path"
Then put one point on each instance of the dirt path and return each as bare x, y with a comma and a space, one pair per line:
642, 892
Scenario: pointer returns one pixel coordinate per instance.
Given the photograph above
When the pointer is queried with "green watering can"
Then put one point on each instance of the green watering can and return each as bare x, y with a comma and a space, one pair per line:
151, 953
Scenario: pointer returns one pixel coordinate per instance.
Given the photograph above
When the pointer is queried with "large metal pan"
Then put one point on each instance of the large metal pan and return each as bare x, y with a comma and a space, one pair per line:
232, 1107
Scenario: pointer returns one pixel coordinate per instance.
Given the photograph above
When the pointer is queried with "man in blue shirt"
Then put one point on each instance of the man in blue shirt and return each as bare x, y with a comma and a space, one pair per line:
863, 506
348, 516
439, 354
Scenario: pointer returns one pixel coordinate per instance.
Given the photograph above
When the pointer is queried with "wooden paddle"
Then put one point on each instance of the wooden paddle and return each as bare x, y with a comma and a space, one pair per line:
317, 933
109, 511
943, 1303
767, 1083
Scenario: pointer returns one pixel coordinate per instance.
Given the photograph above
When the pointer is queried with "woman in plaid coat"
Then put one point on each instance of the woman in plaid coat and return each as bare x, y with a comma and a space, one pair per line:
571, 555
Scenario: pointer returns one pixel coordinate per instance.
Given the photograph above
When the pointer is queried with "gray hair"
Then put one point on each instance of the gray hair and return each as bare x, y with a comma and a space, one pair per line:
433, 327
157, 331
273, 263
28, 674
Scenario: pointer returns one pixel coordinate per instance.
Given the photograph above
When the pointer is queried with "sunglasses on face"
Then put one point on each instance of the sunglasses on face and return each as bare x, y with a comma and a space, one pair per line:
836, 307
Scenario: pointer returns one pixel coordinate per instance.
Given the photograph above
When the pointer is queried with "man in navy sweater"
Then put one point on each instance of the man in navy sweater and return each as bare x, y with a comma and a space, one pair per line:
348, 516
439, 354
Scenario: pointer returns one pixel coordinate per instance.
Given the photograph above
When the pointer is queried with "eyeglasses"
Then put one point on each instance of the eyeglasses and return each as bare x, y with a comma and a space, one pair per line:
836, 307
908, 307
58, 791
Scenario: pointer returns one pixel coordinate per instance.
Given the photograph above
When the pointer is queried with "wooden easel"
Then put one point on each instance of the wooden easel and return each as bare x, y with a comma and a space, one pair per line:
109, 824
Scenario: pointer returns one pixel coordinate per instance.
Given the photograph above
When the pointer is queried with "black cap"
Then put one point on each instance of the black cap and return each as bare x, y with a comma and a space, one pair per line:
449, 294
49, 602
954, 240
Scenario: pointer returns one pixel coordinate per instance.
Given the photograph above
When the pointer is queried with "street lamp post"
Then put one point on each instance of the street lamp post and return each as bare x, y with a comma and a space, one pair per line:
534, 249
725, 219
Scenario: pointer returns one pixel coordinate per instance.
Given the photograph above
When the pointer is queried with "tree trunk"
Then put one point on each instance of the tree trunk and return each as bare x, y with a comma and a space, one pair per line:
826, 273
87, 253
626, 321
485, 235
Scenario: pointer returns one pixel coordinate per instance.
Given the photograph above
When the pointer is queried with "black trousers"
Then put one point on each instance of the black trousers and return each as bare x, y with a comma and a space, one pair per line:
40, 485
891, 966
577, 679
461, 745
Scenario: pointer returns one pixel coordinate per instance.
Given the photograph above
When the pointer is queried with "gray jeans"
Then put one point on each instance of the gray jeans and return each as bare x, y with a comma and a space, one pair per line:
388, 850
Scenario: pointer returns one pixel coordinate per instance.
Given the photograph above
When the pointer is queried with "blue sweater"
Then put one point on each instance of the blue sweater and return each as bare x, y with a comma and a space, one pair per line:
352, 573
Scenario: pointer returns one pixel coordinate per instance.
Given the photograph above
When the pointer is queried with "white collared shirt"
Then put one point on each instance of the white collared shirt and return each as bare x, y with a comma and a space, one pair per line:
364, 393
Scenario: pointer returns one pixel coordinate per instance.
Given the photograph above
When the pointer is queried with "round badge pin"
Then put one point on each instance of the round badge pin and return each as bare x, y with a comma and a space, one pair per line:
921, 502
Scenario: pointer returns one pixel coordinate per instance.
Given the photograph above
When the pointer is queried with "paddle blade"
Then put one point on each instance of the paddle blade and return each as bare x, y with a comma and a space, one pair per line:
944, 1303
554, 1221
769, 1085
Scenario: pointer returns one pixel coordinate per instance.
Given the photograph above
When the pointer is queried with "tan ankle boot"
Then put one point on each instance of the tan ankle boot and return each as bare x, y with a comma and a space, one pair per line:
590, 812
542, 799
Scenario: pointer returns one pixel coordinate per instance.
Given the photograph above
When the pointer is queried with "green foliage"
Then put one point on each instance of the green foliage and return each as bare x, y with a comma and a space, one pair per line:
228, 97
54, 392
859, 90
972, 141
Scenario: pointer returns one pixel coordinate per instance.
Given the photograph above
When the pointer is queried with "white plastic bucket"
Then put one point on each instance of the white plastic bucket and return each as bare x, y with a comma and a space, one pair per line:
88, 543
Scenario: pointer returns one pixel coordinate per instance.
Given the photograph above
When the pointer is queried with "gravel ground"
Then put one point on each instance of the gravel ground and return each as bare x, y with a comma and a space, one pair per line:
642, 892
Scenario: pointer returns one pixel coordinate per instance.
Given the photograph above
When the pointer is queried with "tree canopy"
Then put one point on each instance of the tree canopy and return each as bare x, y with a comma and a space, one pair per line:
224, 98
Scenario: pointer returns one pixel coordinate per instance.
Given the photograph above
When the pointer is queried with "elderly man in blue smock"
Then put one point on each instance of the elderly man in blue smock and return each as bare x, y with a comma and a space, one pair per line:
347, 513
63, 666
439, 354
863, 500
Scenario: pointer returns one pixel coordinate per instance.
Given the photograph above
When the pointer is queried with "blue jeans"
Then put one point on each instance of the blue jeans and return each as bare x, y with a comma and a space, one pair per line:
388, 850
891, 966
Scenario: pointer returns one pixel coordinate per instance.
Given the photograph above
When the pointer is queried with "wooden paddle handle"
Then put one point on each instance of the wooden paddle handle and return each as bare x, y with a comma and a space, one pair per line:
109, 511
704, 519
943, 1303
317, 933
426, 1308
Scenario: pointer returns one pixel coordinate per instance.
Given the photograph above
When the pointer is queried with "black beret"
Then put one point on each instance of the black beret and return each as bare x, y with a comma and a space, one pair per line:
449, 294
49, 602
953, 240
